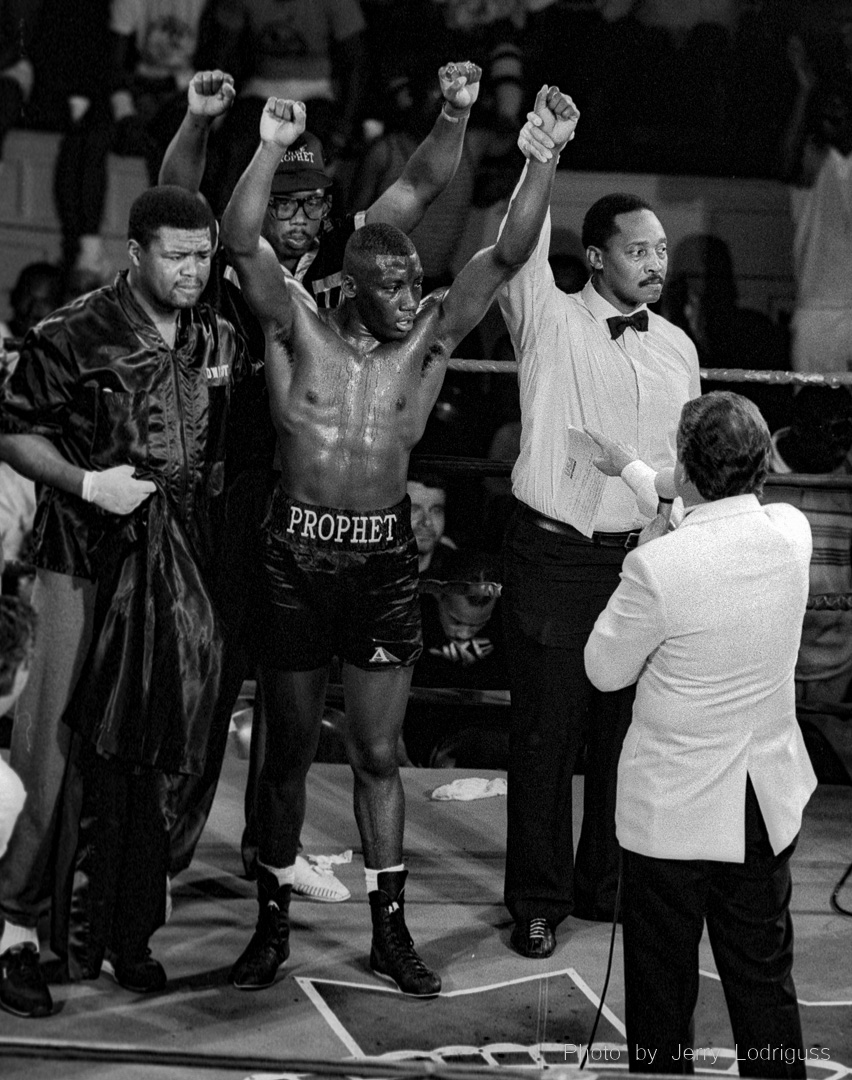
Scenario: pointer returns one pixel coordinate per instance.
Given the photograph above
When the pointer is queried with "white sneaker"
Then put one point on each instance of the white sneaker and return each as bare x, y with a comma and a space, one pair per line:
318, 883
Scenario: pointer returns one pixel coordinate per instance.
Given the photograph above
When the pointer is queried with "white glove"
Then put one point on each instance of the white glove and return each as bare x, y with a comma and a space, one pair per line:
116, 490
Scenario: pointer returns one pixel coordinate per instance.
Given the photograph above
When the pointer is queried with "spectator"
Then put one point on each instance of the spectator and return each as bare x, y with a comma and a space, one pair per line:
131, 105
36, 293
72, 97
462, 649
149, 96
818, 441
815, 162
305, 50
408, 37
93, 400
428, 494
17, 634
17, 513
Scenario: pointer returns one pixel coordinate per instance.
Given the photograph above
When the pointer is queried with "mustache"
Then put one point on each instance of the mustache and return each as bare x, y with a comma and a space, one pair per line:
653, 279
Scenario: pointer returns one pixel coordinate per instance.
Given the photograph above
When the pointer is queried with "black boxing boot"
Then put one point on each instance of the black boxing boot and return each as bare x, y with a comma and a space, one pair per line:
269, 947
392, 954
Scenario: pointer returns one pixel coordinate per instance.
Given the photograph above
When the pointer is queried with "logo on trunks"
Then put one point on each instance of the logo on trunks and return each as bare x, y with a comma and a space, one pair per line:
382, 656
357, 528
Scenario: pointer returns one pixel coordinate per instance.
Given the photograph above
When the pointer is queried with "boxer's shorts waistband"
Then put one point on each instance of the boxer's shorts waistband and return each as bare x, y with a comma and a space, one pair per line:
292, 521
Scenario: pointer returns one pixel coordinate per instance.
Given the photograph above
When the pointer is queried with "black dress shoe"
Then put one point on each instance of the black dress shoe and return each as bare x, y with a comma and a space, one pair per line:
23, 990
534, 938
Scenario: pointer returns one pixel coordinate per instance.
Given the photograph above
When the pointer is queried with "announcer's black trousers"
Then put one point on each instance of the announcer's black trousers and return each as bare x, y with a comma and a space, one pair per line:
747, 910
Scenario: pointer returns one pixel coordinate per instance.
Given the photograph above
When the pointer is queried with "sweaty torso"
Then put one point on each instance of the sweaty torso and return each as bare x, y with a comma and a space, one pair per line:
347, 415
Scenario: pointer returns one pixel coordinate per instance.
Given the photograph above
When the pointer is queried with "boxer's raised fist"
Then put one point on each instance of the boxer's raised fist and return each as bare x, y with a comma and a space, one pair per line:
460, 84
558, 114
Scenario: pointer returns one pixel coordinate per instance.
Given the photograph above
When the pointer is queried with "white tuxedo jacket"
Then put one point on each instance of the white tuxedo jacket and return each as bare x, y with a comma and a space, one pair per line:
707, 622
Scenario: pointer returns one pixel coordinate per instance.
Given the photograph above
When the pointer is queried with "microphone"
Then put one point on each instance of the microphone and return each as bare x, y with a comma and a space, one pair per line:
665, 488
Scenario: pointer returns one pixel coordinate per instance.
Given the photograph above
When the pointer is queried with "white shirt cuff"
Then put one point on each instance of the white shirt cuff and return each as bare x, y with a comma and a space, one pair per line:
639, 477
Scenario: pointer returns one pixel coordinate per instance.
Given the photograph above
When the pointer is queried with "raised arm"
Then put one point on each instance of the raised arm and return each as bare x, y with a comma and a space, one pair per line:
261, 276
433, 164
476, 285
209, 96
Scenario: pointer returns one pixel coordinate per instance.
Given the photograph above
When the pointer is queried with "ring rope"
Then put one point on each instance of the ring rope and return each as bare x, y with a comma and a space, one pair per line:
817, 602
830, 602
833, 379
320, 1069
486, 467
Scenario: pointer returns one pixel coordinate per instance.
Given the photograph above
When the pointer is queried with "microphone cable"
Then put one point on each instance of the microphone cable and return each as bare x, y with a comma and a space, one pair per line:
608, 965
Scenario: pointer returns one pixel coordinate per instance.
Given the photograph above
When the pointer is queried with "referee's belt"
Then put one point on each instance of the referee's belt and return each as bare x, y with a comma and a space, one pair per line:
626, 540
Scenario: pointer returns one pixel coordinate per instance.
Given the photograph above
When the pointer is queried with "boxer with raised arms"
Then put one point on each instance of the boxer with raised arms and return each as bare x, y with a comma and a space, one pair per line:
350, 391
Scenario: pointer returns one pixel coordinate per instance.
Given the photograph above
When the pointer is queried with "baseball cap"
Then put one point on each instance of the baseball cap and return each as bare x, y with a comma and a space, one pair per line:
302, 167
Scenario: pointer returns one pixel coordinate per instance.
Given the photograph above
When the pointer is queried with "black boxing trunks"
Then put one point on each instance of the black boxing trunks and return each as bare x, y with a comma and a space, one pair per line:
343, 583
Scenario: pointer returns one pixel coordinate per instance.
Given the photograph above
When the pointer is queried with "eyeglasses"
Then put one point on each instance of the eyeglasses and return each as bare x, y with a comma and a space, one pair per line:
313, 207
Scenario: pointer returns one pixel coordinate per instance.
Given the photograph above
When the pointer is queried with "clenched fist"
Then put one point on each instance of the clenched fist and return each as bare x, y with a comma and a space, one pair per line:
460, 84
551, 124
282, 122
211, 93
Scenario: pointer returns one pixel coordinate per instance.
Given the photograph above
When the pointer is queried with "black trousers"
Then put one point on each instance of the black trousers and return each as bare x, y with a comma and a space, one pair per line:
554, 590
114, 891
747, 910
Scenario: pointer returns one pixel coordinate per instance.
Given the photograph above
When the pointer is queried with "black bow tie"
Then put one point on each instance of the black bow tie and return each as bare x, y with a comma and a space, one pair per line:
619, 323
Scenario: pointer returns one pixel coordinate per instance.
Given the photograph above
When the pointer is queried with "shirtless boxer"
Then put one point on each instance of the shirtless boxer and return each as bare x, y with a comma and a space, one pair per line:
350, 391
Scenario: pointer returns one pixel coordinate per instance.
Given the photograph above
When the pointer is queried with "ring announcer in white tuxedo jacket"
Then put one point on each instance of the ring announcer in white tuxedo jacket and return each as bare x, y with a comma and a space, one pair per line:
713, 774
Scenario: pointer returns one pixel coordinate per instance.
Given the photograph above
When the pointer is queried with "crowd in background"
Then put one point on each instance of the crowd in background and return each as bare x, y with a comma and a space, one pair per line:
689, 87
681, 88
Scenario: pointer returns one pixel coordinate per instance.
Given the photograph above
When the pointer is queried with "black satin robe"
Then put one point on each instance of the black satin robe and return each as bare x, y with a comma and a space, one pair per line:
148, 689
97, 379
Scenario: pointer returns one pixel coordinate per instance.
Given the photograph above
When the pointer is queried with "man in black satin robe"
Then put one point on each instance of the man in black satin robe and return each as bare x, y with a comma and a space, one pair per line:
117, 409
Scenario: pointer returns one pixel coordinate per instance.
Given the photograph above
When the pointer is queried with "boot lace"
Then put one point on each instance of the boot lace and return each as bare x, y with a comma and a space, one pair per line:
400, 951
